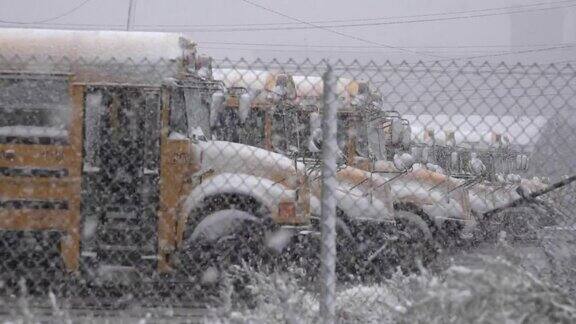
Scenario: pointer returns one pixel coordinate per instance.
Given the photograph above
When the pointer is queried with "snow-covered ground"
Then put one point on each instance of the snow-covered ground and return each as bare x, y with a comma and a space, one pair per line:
501, 281
530, 282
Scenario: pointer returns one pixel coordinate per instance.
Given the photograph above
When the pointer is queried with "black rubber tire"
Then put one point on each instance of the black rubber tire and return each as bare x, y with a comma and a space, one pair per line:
415, 242
363, 250
246, 247
521, 223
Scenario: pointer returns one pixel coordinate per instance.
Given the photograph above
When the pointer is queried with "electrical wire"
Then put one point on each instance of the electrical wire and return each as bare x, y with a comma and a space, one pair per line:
235, 43
64, 14
374, 44
311, 26
537, 50
334, 31
333, 50
315, 50
563, 62
364, 19
293, 23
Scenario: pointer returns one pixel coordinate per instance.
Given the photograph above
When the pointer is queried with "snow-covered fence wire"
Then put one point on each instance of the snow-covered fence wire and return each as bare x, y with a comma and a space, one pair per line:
190, 187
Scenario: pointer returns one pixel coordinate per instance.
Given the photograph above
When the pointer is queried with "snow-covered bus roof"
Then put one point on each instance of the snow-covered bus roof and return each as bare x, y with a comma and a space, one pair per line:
306, 86
309, 88
312, 87
76, 44
478, 131
90, 54
245, 78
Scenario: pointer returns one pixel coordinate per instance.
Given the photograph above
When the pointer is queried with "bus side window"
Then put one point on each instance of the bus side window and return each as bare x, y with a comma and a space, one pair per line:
197, 112
34, 109
94, 115
151, 123
178, 121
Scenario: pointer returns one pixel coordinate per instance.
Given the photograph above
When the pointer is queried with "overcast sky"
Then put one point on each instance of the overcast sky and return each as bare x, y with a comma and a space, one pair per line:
536, 30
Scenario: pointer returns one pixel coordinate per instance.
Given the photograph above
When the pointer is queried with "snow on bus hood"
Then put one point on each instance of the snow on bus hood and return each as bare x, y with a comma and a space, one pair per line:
355, 203
222, 156
243, 78
433, 202
269, 192
228, 157
418, 187
484, 198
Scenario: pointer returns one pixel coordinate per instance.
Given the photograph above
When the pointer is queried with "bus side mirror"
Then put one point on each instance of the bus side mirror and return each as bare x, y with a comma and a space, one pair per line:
416, 152
403, 162
216, 107
398, 129
522, 162
196, 134
406, 136
315, 141
245, 104
425, 155
454, 161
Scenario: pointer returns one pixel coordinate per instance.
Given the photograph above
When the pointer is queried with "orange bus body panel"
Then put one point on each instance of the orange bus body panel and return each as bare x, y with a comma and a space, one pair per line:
66, 187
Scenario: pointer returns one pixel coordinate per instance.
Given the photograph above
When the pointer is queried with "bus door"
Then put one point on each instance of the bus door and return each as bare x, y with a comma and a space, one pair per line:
121, 168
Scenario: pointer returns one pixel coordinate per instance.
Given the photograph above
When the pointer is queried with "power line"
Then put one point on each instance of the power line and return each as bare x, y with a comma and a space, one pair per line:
333, 31
363, 19
311, 25
123, 26
74, 26
513, 52
291, 23
379, 45
315, 26
348, 51
371, 24
534, 50
369, 46
563, 62
66, 13
131, 11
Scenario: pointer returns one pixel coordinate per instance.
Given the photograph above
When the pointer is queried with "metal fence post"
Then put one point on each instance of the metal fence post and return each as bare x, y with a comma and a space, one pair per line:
328, 221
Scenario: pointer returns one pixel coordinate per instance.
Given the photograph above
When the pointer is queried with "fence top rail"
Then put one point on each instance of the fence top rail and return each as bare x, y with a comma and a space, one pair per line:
437, 67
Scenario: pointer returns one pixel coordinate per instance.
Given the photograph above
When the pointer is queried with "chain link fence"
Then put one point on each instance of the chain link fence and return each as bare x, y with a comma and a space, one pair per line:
289, 191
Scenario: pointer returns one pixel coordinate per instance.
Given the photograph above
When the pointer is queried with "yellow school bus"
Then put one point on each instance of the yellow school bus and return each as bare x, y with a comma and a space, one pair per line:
368, 138
103, 139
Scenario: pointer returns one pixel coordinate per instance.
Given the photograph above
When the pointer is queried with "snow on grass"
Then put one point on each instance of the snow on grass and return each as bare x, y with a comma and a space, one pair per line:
499, 291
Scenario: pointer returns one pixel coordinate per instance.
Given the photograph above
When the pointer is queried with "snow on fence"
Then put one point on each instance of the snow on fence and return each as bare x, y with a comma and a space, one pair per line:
188, 187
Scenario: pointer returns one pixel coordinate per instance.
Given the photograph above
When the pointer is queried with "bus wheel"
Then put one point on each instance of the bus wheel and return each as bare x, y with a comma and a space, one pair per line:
225, 238
224, 250
226, 230
415, 243
521, 223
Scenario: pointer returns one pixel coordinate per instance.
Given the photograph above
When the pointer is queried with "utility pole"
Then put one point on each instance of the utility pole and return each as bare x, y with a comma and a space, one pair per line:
130, 18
